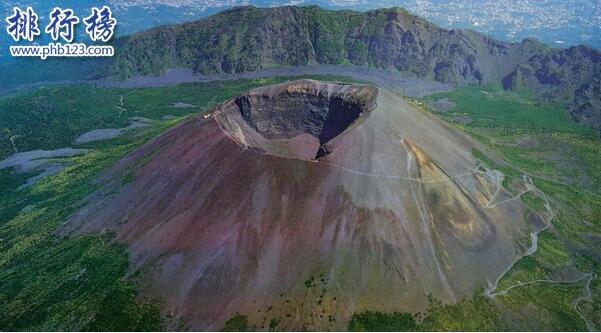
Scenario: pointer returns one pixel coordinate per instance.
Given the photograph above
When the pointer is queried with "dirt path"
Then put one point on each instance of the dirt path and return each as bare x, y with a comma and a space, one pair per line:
523, 284
497, 177
357, 172
491, 290
499, 180
12, 142
120, 108
587, 294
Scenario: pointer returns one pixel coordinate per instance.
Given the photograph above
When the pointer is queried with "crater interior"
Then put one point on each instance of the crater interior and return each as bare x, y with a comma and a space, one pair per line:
299, 118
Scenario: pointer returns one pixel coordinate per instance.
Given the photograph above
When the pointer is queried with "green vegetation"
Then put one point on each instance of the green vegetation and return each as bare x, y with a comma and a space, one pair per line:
309, 282
327, 35
292, 36
477, 314
237, 323
550, 303
10, 181
273, 324
370, 321
508, 113
50, 282
551, 254
24, 72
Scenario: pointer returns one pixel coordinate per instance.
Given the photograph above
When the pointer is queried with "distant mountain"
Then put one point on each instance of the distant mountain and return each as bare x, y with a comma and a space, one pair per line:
250, 38
556, 22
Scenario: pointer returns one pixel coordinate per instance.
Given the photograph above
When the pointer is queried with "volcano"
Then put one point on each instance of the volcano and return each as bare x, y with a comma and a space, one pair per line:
300, 204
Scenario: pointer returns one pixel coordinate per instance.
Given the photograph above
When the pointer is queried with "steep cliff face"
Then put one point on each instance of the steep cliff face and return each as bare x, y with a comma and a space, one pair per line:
249, 38
231, 214
587, 103
570, 76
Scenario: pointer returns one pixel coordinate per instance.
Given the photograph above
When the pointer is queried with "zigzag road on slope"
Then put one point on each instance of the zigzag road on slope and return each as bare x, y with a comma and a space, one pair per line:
490, 291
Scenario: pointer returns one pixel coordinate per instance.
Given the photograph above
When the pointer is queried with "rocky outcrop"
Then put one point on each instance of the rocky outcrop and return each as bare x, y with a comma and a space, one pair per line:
249, 38
587, 103
570, 76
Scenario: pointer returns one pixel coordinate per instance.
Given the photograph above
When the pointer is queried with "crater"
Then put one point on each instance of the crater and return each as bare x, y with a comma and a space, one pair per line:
282, 114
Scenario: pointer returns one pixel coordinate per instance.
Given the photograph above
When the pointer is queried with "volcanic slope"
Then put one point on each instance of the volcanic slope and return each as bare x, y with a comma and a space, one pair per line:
300, 204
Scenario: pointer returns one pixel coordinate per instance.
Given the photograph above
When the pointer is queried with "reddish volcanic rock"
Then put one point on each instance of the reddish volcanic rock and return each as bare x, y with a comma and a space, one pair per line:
267, 210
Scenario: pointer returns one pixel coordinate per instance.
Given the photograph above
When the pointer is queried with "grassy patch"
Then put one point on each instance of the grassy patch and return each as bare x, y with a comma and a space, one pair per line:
550, 304
509, 112
476, 314
50, 282
371, 321
237, 323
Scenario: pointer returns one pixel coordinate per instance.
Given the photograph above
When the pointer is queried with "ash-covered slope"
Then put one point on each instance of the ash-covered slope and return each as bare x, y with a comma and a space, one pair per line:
304, 203
250, 38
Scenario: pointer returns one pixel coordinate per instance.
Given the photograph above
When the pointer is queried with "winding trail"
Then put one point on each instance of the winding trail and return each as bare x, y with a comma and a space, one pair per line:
529, 187
498, 179
12, 142
376, 175
491, 290
523, 284
588, 293
120, 108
